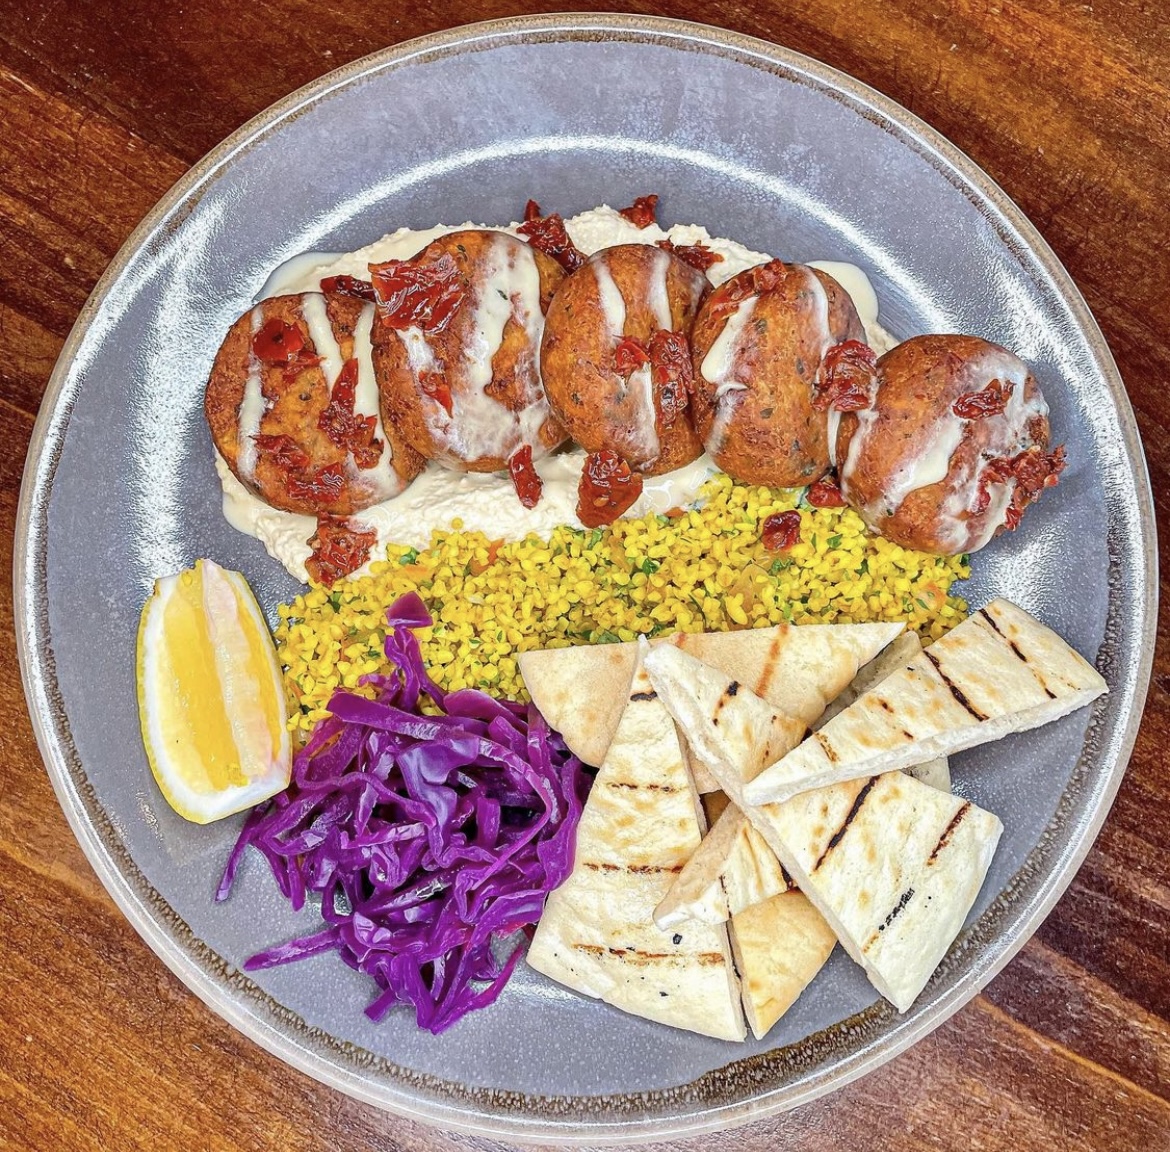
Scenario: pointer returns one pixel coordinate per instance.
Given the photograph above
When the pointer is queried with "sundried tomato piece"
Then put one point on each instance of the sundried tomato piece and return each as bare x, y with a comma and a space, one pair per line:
284, 451
531, 211
339, 548
413, 295
348, 286
608, 488
525, 479
672, 373
629, 356
434, 385
1033, 470
845, 377
547, 234
754, 282
323, 485
643, 212
343, 427
277, 342
989, 401
825, 494
781, 531
696, 255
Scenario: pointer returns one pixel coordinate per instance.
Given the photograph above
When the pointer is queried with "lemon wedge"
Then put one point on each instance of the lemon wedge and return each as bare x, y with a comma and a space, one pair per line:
210, 697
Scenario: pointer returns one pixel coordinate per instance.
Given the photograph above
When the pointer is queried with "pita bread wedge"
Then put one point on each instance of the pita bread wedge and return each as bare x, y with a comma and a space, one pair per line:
891, 864
641, 823
779, 946
734, 868
999, 671
581, 691
796, 668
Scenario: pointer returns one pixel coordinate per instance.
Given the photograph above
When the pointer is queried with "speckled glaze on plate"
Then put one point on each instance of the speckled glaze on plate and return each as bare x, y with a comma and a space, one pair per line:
759, 144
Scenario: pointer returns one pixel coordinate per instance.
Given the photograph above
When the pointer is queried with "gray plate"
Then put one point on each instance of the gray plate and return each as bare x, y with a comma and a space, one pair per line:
759, 144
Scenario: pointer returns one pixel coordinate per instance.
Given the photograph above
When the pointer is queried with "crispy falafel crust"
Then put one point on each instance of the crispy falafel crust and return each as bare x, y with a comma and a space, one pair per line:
590, 398
515, 382
295, 401
773, 434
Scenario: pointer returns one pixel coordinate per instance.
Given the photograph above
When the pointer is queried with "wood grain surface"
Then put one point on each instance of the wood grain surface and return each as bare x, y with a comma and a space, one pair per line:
104, 106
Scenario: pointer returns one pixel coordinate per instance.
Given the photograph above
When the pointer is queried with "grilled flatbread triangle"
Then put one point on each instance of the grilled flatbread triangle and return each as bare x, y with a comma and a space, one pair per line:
1000, 671
734, 868
581, 691
892, 864
597, 935
779, 946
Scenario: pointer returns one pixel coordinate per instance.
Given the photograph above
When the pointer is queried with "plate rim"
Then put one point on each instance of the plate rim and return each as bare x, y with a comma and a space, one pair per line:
35, 655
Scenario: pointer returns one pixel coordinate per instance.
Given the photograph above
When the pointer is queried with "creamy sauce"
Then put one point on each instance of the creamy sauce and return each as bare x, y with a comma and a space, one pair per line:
321, 334
659, 292
382, 478
488, 502
613, 303
253, 406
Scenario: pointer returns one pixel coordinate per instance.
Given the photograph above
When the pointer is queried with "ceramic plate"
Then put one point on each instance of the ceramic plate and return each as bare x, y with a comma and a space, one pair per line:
755, 142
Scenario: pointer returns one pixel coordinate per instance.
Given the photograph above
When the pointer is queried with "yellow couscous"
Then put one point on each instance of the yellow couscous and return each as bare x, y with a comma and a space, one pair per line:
703, 570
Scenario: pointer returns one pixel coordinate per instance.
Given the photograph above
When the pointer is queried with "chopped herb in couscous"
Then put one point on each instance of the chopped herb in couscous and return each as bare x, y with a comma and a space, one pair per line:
705, 569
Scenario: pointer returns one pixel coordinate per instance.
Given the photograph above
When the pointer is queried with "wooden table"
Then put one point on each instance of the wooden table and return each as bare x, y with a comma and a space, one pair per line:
105, 106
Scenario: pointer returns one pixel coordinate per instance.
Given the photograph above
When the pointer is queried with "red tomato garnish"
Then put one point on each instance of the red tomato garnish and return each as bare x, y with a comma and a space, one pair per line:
990, 401
285, 452
781, 531
348, 286
672, 373
547, 234
324, 485
278, 342
434, 385
525, 480
754, 282
608, 488
845, 378
696, 255
825, 494
643, 212
339, 548
411, 295
531, 211
344, 427
1033, 470
629, 356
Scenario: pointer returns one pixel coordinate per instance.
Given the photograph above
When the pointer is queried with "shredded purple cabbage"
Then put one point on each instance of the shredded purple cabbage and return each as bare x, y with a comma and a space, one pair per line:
427, 837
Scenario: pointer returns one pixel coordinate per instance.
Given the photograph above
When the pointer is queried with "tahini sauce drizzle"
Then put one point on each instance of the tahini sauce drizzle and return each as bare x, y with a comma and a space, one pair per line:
253, 406
643, 437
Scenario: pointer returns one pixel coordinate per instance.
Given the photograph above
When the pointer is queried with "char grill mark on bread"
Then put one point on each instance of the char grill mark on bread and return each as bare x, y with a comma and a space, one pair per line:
850, 816
948, 832
955, 691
